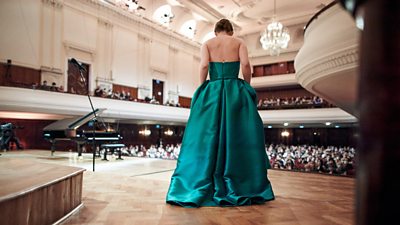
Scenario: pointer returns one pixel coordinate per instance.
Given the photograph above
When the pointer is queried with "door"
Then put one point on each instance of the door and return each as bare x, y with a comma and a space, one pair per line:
158, 91
76, 83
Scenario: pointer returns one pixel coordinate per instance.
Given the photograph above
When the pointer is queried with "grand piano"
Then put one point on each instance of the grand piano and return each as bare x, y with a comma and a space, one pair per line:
68, 129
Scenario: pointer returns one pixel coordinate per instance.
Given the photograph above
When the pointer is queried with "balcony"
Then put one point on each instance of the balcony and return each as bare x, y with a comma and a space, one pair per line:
55, 105
327, 63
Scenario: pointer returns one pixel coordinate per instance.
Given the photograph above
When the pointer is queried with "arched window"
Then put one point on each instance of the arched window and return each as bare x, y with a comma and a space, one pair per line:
188, 29
163, 15
208, 36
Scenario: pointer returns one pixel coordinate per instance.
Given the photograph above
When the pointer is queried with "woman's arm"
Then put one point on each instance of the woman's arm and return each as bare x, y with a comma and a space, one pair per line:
244, 61
205, 59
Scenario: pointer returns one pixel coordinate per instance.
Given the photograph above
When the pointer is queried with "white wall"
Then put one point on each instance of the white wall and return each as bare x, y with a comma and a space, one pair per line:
184, 73
80, 29
125, 57
121, 48
20, 32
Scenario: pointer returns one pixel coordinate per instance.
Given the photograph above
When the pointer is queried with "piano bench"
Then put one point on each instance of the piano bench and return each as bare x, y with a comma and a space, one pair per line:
112, 147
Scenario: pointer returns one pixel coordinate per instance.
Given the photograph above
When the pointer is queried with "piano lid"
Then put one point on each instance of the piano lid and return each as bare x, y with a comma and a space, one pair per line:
72, 123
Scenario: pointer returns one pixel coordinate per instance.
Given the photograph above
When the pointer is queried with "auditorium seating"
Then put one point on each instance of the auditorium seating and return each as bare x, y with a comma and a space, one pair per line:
332, 160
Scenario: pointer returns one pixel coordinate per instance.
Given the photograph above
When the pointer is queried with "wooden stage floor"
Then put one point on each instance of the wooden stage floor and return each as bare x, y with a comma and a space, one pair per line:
132, 191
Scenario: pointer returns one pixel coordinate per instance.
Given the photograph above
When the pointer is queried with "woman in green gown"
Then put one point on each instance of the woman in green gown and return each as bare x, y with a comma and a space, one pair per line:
222, 161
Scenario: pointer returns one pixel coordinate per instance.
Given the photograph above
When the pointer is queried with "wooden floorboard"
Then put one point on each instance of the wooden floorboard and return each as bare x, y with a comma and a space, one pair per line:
132, 191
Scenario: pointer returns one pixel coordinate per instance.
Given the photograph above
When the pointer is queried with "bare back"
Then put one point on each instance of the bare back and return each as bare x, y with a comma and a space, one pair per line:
224, 49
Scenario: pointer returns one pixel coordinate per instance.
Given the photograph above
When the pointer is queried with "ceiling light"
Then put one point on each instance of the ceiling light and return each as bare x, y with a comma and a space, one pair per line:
301, 126
269, 126
285, 124
328, 123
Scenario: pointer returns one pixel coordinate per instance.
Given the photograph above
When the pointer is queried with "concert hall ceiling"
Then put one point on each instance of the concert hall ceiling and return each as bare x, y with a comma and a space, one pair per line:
248, 16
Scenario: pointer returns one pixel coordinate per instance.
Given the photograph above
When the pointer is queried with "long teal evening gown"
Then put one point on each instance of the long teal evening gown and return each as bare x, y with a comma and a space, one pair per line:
222, 161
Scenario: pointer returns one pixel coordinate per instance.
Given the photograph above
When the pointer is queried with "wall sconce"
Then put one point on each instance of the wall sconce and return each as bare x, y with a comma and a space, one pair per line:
168, 132
145, 132
285, 133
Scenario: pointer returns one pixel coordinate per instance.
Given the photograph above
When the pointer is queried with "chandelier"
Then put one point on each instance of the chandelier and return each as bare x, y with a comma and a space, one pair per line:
275, 37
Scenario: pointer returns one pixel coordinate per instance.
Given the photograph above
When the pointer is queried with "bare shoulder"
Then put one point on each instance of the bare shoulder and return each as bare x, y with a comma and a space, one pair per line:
210, 41
239, 40
206, 45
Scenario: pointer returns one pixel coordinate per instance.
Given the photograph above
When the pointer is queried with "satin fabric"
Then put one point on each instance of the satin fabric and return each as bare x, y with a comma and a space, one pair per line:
222, 161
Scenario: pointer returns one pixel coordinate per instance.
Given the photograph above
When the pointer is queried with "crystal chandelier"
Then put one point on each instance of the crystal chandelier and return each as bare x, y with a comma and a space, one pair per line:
275, 37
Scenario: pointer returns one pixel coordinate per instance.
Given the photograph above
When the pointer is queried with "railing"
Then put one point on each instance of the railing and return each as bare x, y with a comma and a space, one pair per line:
319, 13
296, 106
57, 89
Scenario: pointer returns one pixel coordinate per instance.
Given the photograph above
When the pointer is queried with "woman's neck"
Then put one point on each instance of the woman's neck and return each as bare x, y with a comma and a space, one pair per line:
223, 34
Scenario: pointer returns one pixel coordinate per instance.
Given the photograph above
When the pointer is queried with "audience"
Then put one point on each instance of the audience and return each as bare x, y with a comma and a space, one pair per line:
44, 86
161, 152
154, 101
172, 103
53, 87
309, 158
306, 158
98, 92
293, 102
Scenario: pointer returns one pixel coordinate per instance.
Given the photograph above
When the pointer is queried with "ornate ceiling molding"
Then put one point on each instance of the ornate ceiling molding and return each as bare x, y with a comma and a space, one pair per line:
146, 24
54, 3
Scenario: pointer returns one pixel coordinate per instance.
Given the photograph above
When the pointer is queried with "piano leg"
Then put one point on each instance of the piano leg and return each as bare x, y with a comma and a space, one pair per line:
53, 147
105, 155
98, 154
119, 154
79, 149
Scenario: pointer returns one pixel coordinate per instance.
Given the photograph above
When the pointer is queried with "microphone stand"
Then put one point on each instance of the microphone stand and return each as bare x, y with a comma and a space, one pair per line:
94, 118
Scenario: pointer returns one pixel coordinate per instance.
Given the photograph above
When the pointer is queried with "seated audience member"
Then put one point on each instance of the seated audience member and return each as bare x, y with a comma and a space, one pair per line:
128, 96
98, 92
122, 95
154, 101
53, 87
259, 105
34, 86
44, 86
